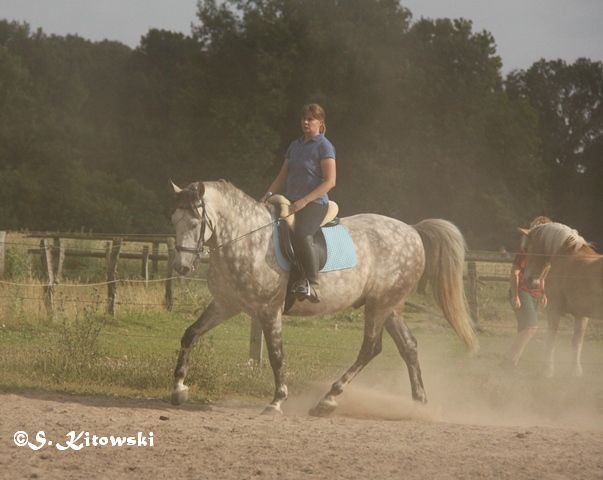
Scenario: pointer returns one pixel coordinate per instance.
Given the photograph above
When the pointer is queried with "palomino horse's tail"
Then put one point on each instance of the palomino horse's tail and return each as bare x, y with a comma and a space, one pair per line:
444, 261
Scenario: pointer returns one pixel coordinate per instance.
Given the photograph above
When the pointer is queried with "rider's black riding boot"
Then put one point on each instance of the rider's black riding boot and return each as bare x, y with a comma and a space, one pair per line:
307, 256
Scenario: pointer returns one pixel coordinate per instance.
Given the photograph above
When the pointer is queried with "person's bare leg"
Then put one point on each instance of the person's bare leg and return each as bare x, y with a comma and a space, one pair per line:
521, 341
580, 324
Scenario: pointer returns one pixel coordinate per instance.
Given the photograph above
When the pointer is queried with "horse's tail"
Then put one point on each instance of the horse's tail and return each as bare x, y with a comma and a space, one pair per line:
444, 262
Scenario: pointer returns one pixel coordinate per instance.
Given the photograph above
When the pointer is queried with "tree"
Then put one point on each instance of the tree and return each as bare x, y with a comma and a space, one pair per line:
58, 117
569, 102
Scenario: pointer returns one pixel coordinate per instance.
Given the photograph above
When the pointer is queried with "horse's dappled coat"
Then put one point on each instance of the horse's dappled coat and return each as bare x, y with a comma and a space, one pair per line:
244, 276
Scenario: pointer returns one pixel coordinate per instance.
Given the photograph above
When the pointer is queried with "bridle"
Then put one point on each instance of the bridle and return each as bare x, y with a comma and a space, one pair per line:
198, 249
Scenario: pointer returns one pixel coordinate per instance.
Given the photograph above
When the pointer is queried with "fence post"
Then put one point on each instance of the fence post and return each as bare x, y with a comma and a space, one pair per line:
145, 265
472, 291
155, 252
255, 342
169, 298
2, 239
46, 253
112, 275
107, 251
59, 254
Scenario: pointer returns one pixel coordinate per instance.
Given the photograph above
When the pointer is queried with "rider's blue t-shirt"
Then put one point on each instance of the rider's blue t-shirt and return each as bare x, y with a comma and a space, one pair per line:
304, 172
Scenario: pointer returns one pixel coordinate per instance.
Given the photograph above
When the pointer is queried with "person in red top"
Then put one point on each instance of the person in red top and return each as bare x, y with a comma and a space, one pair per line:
525, 299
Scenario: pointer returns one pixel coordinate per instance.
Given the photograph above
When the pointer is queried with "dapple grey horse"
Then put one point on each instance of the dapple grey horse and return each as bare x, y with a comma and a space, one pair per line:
244, 276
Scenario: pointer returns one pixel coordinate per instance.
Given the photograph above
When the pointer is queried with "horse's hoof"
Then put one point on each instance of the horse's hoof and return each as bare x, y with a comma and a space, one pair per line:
422, 399
577, 372
324, 408
180, 396
272, 410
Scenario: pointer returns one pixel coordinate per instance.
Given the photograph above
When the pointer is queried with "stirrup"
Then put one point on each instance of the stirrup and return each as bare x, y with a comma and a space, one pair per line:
303, 290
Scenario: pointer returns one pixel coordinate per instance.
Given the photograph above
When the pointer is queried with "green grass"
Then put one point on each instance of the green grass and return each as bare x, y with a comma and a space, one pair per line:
134, 353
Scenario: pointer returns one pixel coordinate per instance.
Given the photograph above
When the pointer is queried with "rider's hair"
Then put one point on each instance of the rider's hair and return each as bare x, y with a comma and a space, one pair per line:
541, 220
317, 112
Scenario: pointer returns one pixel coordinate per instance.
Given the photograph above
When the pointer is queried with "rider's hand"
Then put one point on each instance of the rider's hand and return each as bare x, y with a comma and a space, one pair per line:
543, 301
265, 197
516, 302
298, 205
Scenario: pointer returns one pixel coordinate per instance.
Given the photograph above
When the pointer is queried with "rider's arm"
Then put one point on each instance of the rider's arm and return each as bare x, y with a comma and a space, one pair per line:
543, 298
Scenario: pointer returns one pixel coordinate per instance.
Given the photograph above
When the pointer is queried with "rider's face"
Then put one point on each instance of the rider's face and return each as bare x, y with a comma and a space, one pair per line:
310, 125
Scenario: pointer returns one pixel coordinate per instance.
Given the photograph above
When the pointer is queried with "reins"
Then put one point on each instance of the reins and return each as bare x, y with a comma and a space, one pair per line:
236, 239
204, 219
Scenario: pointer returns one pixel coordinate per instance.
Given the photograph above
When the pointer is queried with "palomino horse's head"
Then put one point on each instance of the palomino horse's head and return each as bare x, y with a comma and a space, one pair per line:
193, 228
546, 242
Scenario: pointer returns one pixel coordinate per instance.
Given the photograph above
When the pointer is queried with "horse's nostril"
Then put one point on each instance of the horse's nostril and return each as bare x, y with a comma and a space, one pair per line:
181, 269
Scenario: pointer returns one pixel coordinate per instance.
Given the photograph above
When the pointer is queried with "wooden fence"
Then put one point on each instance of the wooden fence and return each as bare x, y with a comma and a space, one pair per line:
473, 278
53, 255
52, 252
2, 255
150, 252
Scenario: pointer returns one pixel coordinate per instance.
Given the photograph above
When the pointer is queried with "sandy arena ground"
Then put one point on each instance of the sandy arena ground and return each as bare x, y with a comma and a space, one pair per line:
373, 436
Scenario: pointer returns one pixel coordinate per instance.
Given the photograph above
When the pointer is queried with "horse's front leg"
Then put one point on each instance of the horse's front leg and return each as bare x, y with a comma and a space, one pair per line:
272, 326
553, 320
213, 315
580, 324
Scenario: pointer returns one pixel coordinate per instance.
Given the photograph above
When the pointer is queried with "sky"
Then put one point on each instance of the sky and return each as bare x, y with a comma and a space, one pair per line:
524, 30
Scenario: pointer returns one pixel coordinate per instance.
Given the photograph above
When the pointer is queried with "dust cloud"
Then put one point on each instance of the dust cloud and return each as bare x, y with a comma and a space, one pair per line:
470, 391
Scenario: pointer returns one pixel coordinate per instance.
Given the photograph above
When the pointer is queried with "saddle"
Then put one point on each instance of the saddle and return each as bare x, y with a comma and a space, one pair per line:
286, 226
283, 210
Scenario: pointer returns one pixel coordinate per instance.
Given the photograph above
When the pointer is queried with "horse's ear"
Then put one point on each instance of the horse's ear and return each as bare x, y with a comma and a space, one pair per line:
200, 189
175, 187
523, 231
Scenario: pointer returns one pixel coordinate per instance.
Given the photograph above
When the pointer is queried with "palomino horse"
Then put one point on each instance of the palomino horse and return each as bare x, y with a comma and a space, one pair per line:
574, 283
244, 276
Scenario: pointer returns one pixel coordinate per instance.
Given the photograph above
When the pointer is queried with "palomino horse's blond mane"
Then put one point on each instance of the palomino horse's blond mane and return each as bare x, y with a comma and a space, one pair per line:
555, 238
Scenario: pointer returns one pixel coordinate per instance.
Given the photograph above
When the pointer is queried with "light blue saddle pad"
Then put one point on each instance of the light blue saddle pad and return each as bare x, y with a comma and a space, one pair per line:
341, 253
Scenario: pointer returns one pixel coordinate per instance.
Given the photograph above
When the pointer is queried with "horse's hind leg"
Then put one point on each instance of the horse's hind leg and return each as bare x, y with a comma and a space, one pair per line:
407, 346
580, 324
211, 317
371, 347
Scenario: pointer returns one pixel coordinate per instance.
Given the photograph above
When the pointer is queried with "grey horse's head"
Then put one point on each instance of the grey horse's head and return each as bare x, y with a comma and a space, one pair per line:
191, 224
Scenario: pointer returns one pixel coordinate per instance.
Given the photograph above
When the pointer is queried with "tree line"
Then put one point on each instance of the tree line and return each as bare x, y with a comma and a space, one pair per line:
424, 123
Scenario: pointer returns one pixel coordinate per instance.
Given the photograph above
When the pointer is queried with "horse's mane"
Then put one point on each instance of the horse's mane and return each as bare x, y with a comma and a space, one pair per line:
227, 188
555, 238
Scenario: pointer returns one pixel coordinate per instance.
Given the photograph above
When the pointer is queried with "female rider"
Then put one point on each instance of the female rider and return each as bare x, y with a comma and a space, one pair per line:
307, 174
